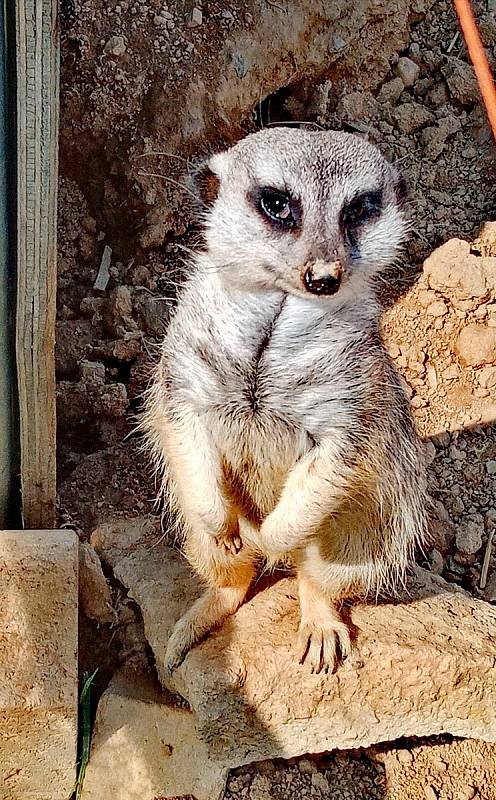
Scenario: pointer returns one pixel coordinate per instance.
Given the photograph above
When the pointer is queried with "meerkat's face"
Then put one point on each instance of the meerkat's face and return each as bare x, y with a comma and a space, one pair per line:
311, 213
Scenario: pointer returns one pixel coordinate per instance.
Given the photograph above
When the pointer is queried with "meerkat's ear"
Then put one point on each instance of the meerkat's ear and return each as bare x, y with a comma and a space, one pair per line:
206, 178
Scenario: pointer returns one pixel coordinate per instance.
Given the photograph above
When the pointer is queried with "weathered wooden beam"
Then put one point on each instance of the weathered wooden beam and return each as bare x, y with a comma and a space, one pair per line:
7, 288
37, 136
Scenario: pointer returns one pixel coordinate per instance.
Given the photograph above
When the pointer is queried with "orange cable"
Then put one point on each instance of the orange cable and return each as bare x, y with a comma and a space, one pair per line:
478, 58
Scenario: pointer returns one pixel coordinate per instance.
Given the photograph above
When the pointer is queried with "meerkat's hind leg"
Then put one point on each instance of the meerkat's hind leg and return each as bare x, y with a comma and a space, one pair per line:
229, 575
323, 635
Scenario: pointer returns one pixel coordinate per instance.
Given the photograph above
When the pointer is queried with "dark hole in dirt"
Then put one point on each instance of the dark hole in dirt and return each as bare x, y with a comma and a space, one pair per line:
273, 110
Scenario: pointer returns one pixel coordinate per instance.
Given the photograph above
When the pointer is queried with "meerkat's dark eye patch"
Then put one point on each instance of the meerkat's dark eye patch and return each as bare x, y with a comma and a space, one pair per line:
207, 185
363, 208
280, 209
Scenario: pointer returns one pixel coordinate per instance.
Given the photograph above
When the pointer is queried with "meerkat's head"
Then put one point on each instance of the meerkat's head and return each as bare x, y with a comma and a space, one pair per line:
310, 213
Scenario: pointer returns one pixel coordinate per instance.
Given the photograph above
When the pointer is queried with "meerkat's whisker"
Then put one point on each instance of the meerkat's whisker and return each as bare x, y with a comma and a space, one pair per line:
160, 153
169, 180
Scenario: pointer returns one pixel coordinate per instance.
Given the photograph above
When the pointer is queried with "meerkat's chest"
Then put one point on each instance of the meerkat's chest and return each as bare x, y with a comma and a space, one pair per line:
267, 368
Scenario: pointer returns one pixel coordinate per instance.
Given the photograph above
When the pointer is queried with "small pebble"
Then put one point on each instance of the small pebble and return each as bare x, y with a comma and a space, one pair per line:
307, 767
404, 756
196, 18
321, 783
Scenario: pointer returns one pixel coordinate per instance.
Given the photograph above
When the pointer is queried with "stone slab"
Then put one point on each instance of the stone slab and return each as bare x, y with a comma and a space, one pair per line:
421, 667
38, 664
144, 748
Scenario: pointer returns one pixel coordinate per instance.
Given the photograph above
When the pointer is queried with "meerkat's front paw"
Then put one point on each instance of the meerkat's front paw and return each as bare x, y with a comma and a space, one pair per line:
321, 644
231, 542
181, 640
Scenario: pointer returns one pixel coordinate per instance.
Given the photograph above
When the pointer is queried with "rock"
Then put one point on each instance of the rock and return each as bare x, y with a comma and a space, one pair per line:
418, 402
457, 505
448, 126
118, 311
404, 756
92, 371
94, 592
469, 793
437, 309
451, 373
430, 793
441, 535
434, 138
122, 350
456, 454
78, 403
116, 46
357, 106
412, 117
429, 452
390, 92
196, 18
427, 297
156, 313
461, 81
443, 438
476, 345
469, 538
407, 70
119, 537
452, 767
143, 747
490, 590
455, 273
432, 379
491, 467
321, 783
487, 377
491, 518
307, 767
72, 339
38, 664
255, 703
485, 242
436, 560
438, 95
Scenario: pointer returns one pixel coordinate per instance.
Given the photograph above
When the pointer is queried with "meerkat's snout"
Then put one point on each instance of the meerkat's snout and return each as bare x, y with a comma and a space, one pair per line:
322, 277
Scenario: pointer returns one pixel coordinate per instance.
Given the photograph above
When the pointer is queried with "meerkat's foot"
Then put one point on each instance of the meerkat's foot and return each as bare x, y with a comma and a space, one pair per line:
323, 636
206, 614
320, 646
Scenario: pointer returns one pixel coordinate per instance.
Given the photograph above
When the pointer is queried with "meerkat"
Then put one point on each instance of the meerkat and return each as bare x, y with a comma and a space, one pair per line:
278, 422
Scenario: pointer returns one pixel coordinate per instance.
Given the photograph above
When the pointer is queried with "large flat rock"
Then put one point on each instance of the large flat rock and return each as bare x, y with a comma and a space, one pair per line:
144, 748
38, 664
421, 667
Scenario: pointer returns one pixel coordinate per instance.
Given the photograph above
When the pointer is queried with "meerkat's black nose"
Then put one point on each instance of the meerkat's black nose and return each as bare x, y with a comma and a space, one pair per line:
322, 282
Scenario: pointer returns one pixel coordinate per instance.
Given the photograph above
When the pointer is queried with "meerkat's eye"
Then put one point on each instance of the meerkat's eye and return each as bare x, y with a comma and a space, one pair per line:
276, 206
362, 209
